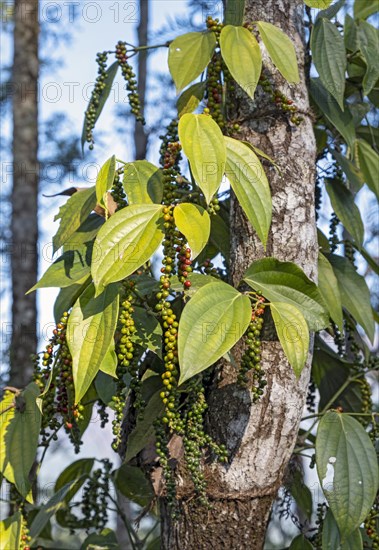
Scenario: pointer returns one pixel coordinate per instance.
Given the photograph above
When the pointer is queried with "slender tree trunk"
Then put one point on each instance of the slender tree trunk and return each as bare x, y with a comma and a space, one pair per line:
24, 223
260, 437
140, 136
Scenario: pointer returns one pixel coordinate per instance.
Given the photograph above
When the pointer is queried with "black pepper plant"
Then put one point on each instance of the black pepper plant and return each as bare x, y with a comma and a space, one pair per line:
142, 348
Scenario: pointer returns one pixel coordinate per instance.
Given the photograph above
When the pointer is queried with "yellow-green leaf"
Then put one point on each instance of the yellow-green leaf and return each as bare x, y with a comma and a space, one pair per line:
293, 334
319, 4
190, 98
90, 332
194, 222
281, 50
242, 55
204, 146
249, 182
211, 323
188, 56
143, 182
10, 532
104, 180
125, 242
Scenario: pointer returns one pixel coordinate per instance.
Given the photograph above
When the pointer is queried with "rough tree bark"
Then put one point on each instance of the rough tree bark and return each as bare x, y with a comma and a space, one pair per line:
24, 224
259, 437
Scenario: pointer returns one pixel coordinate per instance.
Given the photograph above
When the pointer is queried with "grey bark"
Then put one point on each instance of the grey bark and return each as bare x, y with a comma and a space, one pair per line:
24, 224
140, 136
260, 437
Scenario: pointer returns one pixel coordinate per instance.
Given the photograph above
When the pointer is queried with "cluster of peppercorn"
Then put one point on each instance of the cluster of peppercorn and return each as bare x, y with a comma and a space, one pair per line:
251, 360
214, 91
213, 206
95, 498
371, 525
118, 192
91, 113
285, 104
59, 397
126, 364
131, 83
316, 540
311, 397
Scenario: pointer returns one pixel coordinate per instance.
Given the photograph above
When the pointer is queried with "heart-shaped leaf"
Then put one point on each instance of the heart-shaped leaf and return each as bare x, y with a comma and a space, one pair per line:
347, 469
194, 222
188, 56
249, 182
143, 182
242, 55
125, 242
293, 334
204, 146
281, 50
211, 323
286, 282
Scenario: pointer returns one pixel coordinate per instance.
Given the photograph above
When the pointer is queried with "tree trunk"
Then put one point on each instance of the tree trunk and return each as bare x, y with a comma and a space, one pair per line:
140, 136
260, 437
24, 222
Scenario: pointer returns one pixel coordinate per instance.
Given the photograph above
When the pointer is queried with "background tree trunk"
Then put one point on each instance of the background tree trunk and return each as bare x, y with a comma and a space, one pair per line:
140, 136
260, 437
24, 224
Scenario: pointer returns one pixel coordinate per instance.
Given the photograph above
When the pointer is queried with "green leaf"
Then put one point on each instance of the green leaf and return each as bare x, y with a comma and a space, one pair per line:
203, 144
329, 57
106, 387
126, 241
106, 539
10, 532
249, 182
220, 236
364, 8
149, 330
67, 298
293, 334
190, 98
369, 163
331, 539
105, 178
302, 494
347, 211
213, 321
7, 412
319, 4
234, 12
353, 174
21, 440
109, 362
133, 484
189, 55
143, 182
73, 266
350, 34
286, 282
300, 543
347, 469
78, 470
281, 50
331, 11
194, 223
144, 432
368, 37
110, 74
341, 120
328, 287
90, 331
242, 55
52, 506
323, 242
355, 295
73, 214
